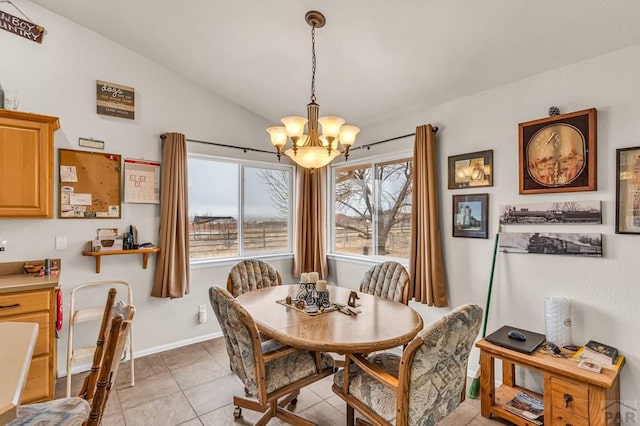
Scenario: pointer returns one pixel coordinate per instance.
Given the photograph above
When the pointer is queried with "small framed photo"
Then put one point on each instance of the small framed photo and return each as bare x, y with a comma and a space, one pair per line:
628, 190
470, 215
472, 170
558, 153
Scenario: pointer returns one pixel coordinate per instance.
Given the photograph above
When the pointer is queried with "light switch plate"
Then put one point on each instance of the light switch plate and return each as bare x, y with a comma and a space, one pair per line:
61, 243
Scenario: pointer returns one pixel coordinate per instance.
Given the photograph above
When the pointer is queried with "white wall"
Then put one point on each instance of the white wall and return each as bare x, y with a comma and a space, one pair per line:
58, 78
605, 291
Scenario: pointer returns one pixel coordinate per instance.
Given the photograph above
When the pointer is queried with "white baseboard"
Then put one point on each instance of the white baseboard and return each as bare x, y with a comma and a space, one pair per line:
80, 368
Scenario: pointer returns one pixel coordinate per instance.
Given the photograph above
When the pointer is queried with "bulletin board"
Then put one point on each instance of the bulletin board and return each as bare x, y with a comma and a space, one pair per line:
89, 185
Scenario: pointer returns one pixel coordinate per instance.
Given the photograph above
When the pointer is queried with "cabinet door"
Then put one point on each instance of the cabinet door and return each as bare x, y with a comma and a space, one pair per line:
26, 164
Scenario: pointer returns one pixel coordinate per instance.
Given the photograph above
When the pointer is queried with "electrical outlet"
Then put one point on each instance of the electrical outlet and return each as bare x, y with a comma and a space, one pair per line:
3, 244
202, 314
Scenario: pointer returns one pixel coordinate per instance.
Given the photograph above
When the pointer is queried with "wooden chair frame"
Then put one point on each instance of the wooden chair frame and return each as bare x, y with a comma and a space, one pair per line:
89, 384
110, 362
274, 404
399, 384
97, 385
106, 316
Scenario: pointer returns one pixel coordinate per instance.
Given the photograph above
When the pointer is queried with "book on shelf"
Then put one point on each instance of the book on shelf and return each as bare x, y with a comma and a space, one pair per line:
600, 353
616, 366
527, 407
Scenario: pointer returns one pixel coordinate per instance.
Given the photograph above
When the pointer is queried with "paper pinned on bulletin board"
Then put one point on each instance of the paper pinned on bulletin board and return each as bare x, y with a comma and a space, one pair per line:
141, 181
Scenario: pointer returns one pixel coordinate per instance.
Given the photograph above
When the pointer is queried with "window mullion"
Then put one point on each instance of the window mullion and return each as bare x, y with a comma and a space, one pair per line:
240, 209
375, 205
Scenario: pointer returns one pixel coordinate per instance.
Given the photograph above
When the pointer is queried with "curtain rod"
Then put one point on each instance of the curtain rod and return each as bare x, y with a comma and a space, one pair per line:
246, 148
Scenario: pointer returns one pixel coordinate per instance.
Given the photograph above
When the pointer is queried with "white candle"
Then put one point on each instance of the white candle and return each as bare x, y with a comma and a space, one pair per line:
304, 278
321, 285
313, 277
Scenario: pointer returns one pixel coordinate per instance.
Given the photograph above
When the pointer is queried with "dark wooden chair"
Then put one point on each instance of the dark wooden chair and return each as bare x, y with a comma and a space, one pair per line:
88, 406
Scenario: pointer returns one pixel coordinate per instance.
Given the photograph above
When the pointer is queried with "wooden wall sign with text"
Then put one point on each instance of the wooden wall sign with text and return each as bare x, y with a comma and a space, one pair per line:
20, 27
115, 100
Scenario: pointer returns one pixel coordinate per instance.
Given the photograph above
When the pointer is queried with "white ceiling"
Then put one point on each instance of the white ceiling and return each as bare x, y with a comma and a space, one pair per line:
376, 58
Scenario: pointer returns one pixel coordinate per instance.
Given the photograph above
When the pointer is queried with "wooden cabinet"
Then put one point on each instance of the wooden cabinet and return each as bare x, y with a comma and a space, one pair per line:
26, 164
571, 395
30, 298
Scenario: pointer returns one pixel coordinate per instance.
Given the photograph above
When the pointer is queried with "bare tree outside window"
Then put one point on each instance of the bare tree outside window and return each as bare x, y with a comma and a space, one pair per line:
373, 209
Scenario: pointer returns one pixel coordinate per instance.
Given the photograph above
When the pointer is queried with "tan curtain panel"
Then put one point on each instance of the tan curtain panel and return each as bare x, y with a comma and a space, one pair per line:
172, 262
309, 252
425, 262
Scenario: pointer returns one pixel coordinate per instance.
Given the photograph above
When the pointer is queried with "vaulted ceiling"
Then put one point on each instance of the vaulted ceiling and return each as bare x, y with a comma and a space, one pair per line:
376, 58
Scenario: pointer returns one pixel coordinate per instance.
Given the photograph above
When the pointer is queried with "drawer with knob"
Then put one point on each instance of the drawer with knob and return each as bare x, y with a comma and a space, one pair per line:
24, 302
562, 417
570, 397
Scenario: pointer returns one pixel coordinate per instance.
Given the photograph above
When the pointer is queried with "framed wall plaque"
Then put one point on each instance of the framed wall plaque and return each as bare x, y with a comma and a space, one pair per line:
558, 153
628, 190
472, 170
470, 215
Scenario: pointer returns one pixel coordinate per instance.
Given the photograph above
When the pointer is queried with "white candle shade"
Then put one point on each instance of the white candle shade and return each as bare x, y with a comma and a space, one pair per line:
321, 285
304, 278
313, 277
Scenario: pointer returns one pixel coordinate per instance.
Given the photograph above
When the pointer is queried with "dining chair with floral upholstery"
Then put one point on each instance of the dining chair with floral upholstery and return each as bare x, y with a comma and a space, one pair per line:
251, 274
389, 280
423, 385
273, 377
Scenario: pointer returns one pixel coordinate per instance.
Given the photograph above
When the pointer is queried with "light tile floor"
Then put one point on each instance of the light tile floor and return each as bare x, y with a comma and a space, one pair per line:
193, 385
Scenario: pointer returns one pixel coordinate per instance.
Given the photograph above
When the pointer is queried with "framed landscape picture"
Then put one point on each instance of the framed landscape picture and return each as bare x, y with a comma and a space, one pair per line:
558, 153
628, 190
470, 215
471, 170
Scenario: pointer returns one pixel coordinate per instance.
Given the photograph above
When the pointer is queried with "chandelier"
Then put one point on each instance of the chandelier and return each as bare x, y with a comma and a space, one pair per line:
313, 150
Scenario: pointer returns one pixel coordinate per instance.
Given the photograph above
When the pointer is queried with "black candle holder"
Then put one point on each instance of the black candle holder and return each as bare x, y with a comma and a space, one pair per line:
312, 297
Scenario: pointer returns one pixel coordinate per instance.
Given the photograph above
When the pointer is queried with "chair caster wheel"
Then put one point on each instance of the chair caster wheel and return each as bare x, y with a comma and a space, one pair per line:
237, 412
294, 401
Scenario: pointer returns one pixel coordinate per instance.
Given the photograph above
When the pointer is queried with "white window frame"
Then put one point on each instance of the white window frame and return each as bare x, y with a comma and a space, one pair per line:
331, 213
242, 164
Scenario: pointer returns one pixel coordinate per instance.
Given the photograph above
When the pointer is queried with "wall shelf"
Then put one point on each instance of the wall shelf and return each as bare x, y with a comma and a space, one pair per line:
145, 252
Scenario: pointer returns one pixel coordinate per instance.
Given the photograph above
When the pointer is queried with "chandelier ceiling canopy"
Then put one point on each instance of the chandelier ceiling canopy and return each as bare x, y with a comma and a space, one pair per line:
313, 150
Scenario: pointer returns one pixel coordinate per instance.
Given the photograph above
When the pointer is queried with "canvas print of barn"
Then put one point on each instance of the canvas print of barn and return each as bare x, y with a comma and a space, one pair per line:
575, 244
579, 212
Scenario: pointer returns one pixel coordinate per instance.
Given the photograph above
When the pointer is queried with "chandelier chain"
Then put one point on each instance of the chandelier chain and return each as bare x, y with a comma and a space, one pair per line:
313, 63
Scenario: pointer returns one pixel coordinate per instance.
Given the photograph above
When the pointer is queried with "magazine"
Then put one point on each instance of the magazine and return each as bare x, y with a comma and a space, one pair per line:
527, 407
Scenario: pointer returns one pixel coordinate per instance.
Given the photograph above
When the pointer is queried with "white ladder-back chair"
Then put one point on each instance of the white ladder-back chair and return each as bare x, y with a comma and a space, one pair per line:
81, 314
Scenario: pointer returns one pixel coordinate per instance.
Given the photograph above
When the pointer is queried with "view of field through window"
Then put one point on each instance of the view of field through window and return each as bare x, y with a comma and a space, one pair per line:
373, 209
215, 198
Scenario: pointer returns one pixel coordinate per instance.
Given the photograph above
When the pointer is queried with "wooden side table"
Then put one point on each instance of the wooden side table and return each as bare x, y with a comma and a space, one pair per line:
571, 395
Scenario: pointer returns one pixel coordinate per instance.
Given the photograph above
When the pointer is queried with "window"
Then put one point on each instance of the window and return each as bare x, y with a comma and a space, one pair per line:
372, 205
238, 208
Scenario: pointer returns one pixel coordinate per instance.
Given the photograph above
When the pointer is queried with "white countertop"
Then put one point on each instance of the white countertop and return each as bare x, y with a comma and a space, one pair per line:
17, 340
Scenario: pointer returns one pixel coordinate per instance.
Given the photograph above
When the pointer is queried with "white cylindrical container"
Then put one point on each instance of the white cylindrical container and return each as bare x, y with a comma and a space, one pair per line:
557, 320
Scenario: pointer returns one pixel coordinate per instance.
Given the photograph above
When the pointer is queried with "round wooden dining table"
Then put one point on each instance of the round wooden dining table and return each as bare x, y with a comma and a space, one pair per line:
381, 324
